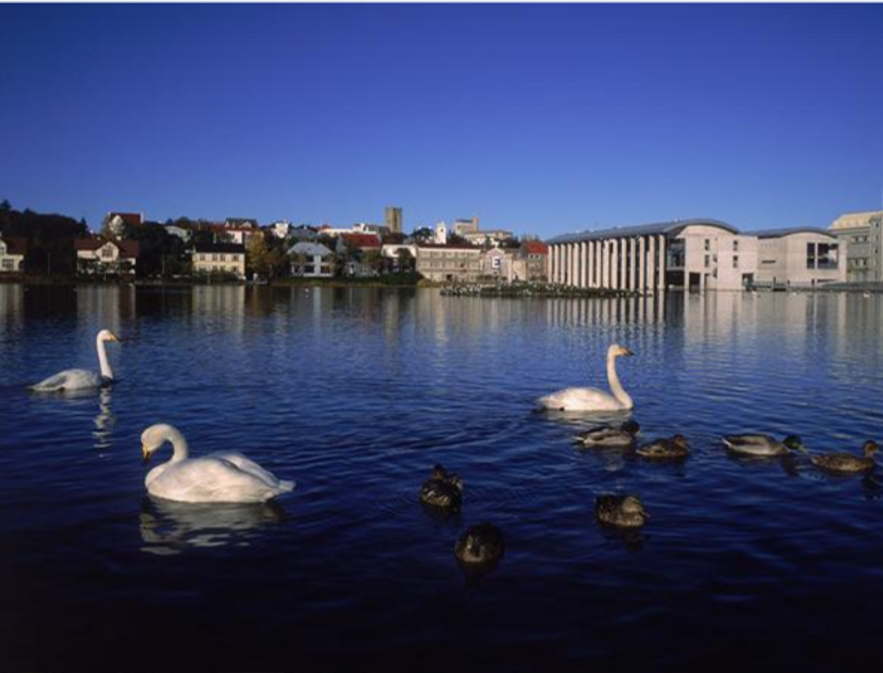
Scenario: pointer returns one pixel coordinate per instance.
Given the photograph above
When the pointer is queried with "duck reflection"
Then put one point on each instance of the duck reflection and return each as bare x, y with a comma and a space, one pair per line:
104, 423
169, 527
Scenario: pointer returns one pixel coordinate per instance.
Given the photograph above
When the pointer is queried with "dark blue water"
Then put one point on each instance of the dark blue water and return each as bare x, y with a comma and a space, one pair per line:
355, 394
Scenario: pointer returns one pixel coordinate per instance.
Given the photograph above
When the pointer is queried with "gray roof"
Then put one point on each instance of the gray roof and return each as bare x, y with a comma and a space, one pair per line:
311, 249
668, 228
778, 233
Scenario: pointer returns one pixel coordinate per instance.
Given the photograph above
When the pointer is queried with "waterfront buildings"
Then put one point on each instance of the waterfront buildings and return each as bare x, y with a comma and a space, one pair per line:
463, 226
534, 255
861, 239
695, 254
115, 223
12, 253
489, 237
311, 260
219, 258
98, 255
438, 262
798, 258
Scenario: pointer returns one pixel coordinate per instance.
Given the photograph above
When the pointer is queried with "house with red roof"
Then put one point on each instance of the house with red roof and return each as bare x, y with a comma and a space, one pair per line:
12, 253
115, 223
97, 255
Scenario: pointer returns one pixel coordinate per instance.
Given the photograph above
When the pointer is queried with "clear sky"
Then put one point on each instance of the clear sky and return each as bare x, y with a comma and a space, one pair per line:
541, 119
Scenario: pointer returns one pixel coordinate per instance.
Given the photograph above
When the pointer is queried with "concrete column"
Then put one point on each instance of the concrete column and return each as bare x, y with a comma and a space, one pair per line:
584, 256
614, 281
572, 252
642, 263
662, 261
590, 265
652, 276
633, 265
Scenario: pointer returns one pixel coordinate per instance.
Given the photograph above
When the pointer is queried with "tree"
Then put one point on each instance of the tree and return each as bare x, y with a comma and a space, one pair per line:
406, 260
257, 255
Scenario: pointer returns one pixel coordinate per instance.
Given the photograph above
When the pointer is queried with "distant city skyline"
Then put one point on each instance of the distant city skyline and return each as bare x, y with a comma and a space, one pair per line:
537, 119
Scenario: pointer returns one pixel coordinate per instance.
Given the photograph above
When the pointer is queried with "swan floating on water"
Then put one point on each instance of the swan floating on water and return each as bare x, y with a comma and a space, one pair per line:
606, 437
846, 463
762, 445
223, 476
82, 379
622, 511
593, 399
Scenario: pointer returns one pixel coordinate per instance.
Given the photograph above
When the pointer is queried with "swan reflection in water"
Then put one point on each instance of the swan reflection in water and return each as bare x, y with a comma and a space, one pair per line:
104, 423
169, 527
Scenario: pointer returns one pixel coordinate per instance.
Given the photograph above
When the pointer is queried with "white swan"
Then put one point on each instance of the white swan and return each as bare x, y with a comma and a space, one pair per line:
223, 476
82, 379
593, 399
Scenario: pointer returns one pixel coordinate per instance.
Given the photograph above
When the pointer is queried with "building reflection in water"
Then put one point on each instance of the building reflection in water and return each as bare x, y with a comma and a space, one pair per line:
104, 423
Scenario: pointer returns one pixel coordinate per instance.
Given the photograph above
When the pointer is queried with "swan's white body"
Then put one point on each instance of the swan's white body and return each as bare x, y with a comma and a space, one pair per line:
82, 379
593, 399
223, 476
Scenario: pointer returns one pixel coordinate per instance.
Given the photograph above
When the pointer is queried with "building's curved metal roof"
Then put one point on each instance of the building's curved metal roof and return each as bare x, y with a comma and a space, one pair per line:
668, 228
778, 233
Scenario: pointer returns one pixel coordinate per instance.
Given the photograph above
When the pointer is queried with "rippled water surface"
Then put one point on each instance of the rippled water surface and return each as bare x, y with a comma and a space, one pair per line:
355, 394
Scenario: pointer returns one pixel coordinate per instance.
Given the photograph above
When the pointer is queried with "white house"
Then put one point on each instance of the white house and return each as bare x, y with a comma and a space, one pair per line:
12, 253
98, 255
311, 260
219, 258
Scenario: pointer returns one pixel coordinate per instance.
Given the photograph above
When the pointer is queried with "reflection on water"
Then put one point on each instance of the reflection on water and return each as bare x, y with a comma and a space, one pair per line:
171, 527
104, 422
356, 394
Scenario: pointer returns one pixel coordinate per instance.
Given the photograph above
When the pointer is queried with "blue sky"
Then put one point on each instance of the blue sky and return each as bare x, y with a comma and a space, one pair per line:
541, 119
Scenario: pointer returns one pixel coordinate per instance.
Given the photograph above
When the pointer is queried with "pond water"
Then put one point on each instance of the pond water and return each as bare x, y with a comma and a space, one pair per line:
355, 394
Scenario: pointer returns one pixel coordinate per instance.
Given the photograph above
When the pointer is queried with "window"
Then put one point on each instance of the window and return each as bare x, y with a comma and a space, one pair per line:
826, 255
810, 255
707, 261
8, 265
202, 257
707, 245
214, 257
735, 245
107, 252
223, 258
735, 261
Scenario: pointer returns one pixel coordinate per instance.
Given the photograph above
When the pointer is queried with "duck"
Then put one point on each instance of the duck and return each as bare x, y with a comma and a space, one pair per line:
73, 380
666, 448
222, 476
622, 511
762, 445
480, 545
593, 399
443, 489
847, 463
607, 437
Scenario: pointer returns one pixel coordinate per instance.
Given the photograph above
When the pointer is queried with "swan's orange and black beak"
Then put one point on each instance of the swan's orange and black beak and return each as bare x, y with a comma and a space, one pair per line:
627, 351
145, 454
113, 337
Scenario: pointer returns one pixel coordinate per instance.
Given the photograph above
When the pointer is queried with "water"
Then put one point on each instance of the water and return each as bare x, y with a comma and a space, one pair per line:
355, 394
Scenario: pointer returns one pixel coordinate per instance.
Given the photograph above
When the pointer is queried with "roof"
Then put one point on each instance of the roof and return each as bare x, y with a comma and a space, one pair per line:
240, 222
779, 233
450, 246
15, 245
362, 240
234, 248
672, 228
304, 248
535, 248
129, 218
127, 248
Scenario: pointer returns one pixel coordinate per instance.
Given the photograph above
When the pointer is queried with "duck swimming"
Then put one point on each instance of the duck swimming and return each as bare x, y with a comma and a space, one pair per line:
606, 437
443, 489
762, 445
593, 399
481, 545
666, 448
847, 463
622, 511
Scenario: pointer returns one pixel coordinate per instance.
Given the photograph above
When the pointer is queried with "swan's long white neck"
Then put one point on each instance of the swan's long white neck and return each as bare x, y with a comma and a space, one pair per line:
103, 362
179, 444
615, 386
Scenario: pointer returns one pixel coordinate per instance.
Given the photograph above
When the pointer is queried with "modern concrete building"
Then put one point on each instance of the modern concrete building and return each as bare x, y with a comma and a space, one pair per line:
692, 254
228, 258
393, 219
798, 258
449, 262
861, 239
